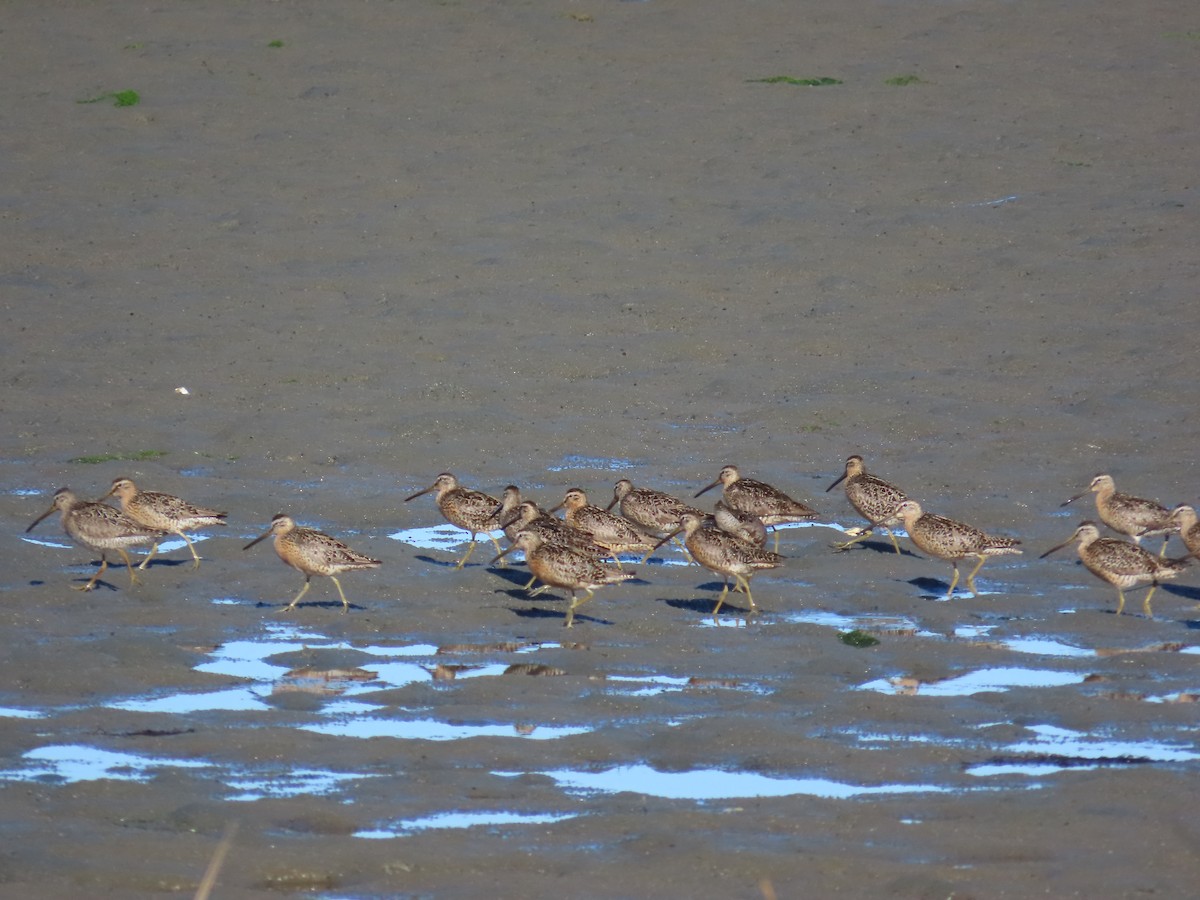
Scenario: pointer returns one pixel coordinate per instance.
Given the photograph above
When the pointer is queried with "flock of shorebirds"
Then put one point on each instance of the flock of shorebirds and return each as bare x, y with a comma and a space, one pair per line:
580, 552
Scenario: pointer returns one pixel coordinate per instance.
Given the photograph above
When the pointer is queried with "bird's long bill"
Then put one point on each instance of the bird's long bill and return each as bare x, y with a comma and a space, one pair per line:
709, 488
1072, 500
555, 509
420, 493
39, 519
112, 490
266, 534
664, 540
840, 479
612, 503
502, 553
1059, 546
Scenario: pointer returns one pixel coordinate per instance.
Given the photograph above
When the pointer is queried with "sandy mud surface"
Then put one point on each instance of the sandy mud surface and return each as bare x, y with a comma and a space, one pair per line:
555, 244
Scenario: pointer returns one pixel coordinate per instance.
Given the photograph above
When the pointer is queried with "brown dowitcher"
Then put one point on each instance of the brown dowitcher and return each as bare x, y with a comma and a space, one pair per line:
473, 511
875, 500
312, 552
165, 513
726, 555
951, 540
756, 498
529, 516
614, 533
1121, 564
649, 509
1189, 528
557, 565
99, 528
741, 525
1126, 514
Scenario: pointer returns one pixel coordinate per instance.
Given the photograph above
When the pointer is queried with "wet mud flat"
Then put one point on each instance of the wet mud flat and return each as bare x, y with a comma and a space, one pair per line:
333, 251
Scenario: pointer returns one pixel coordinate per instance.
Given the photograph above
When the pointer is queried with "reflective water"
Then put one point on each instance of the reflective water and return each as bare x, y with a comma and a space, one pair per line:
715, 784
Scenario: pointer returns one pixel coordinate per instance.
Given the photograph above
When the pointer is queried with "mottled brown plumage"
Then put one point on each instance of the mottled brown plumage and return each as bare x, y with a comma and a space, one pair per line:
1125, 514
726, 555
557, 565
875, 500
99, 528
473, 511
312, 552
1121, 564
163, 512
757, 498
612, 532
950, 540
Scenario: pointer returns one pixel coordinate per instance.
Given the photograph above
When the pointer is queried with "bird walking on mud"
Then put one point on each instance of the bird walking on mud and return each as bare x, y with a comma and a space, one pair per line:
757, 498
1121, 564
875, 500
473, 511
612, 532
100, 528
163, 512
560, 566
726, 555
652, 510
950, 540
312, 552
528, 516
1125, 514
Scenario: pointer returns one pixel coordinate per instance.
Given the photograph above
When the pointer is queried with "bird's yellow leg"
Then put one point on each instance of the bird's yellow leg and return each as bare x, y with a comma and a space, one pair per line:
149, 556
575, 603
974, 571
470, 549
720, 600
133, 579
95, 578
345, 602
953, 581
303, 591
192, 547
1146, 602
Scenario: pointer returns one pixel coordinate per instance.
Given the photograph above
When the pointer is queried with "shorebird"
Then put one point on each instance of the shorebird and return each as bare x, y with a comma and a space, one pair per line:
1128, 515
100, 528
528, 516
652, 510
950, 540
875, 500
612, 532
473, 511
557, 565
741, 525
1121, 564
1189, 529
312, 553
163, 512
726, 555
756, 498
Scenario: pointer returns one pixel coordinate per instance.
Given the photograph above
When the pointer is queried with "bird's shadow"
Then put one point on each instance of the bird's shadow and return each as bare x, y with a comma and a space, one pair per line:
538, 612
932, 588
875, 546
160, 561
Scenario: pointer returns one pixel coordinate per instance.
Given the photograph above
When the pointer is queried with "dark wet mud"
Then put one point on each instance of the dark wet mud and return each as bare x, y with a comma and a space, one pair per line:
556, 245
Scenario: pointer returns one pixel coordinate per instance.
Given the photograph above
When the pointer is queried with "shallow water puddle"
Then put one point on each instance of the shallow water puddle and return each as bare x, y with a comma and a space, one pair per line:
978, 682
72, 763
714, 784
454, 820
1057, 749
